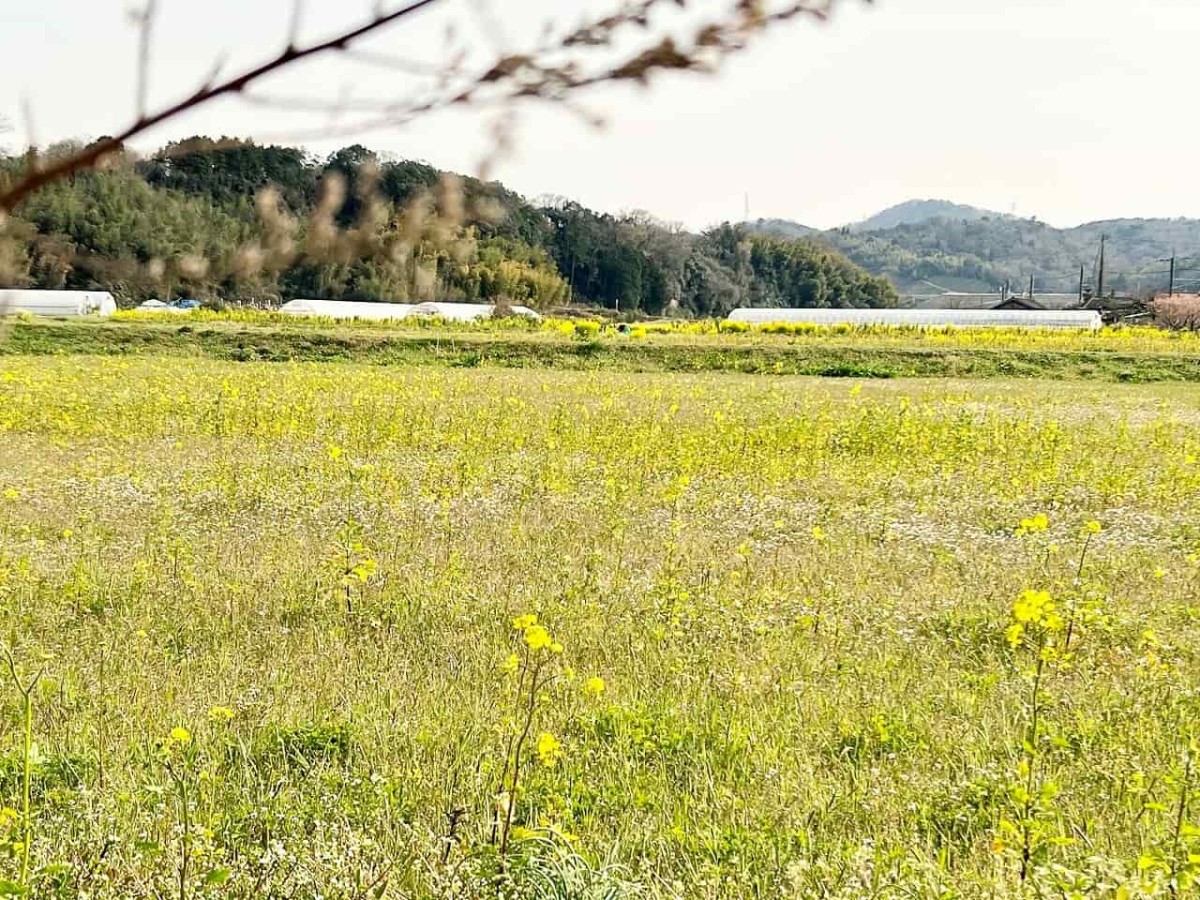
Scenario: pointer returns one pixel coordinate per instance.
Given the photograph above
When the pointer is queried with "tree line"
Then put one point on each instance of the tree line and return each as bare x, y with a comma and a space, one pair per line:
206, 217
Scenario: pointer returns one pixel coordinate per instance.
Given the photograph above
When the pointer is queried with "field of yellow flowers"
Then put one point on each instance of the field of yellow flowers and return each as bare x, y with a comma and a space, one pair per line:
303, 630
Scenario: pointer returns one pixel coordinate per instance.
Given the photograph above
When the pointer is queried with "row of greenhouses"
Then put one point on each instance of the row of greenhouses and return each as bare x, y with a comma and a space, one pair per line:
349, 309
923, 318
68, 304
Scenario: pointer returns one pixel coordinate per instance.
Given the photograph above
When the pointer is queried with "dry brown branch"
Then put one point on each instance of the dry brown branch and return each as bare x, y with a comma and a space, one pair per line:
86, 158
551, 72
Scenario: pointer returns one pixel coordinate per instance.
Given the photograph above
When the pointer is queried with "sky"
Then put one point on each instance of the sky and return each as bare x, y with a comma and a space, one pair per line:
1068, 110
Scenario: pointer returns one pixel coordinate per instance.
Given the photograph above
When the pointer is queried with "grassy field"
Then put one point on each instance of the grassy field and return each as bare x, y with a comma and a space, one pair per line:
782, 648
1137, 355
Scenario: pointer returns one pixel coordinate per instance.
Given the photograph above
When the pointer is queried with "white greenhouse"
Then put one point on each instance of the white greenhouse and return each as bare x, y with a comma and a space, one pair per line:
924, 318
349, 309
57, 303
467, 312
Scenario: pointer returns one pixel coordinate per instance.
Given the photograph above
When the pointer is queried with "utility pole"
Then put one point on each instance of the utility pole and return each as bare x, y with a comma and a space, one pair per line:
1100, 279
1081, 285
1030, 288
1171, 283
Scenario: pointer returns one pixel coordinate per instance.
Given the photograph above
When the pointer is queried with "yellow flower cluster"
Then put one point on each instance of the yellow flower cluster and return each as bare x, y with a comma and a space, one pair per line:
549, 750
1033, 610
1033, 525
536, 636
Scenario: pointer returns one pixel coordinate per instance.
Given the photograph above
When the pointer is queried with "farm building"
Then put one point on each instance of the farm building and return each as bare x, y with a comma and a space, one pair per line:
923, 318
57, 303
347, 309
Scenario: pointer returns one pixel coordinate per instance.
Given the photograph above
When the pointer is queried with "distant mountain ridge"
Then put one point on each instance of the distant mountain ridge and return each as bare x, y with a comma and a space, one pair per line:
914, 212
930, 246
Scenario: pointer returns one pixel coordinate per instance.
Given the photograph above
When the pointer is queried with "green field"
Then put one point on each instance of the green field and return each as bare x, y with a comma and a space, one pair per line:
273, 607
1119, 354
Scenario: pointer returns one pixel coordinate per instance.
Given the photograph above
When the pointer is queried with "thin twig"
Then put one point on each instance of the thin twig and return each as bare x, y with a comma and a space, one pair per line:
522, 75
145, 21
88, 156
297, 22
395, 63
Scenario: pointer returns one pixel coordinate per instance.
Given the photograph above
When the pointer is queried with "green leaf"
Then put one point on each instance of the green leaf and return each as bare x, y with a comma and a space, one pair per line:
1149, 860
12, 889
218, 876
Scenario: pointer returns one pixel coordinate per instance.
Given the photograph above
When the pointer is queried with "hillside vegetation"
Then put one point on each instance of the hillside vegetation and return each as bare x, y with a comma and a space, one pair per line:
187, 222
923, 246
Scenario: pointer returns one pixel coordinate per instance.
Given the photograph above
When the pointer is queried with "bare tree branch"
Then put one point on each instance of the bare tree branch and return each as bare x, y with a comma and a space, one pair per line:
550, 72
145, 21
386, 61
96, 151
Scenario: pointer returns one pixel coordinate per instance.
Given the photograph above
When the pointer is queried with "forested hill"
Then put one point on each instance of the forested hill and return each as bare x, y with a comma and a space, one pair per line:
185, 222
980, 252
914, 212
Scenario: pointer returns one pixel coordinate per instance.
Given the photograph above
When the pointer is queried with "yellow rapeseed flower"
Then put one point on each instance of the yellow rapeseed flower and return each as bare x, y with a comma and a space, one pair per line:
220, 713
8, 818
537, 637
594, 686
818, 533
180, 735
1032, 607
511, 664
11, 494
1092, 527
1015, 633
549, 750
1033, 525
523, 623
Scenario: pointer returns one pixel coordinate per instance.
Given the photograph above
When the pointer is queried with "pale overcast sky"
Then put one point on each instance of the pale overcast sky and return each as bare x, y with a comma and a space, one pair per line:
1070, 110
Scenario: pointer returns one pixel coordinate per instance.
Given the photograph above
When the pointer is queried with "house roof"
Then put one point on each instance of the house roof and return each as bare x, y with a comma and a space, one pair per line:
1057, 302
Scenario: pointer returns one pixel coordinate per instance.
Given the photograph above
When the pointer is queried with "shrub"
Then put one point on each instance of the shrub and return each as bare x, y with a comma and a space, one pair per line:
1181, 312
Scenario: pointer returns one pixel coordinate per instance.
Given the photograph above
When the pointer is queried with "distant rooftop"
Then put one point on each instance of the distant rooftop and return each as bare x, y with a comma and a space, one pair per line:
994, 300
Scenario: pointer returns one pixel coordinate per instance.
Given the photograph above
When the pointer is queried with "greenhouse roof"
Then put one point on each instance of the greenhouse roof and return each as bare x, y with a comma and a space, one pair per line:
923, 318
